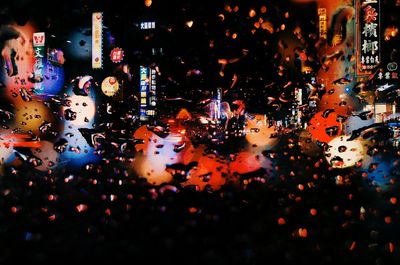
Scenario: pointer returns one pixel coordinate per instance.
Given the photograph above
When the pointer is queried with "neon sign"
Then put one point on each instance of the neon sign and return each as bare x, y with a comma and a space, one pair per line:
97, 40
39, 55
368, 36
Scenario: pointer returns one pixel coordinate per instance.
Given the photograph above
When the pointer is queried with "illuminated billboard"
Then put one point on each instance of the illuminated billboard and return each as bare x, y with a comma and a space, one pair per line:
148, 25
97, 40
116, 55
368, 36
39, 55
322, 23
148, 87
218, 106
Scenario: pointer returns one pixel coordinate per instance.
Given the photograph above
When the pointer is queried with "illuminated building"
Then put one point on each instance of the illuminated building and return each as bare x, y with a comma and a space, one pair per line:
299, 102
382, 110
215, 107
395, 133
148, 73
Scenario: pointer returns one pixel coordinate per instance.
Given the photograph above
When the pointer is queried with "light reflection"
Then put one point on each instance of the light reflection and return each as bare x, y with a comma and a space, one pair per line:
85, 109
342, 153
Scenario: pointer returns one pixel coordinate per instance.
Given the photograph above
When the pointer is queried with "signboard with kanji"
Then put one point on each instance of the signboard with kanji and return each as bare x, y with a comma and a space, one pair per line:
97, 40
322, 23
39, 55
368, 36
147, 25
148, 87
116, 55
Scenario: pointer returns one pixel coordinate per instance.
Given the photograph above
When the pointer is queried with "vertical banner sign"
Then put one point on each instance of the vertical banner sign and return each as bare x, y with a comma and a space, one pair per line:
38, 47
153, 88
368, 36
218, 104
148, 87
322, 23
97, 40
299, 103
144, 87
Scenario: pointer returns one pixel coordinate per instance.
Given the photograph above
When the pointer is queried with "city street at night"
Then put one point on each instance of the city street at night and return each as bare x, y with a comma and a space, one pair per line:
200, 132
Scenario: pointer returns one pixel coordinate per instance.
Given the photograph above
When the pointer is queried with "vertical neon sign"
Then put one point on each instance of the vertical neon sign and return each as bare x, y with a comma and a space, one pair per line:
97, 40
368, 36
218, 104
152, 93
144, 89
322, 19
38, 47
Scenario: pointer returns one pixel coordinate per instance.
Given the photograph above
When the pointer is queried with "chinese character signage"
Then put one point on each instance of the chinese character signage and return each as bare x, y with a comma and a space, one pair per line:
39, 54
322, 23
148, 87
153, 88
368, 36
148, 25
110, 86
116, 55
389, 73
218, 104
97, 40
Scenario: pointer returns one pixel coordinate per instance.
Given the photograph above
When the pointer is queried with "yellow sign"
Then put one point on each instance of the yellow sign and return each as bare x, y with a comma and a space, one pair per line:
322, 23
97, 40
110, 86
